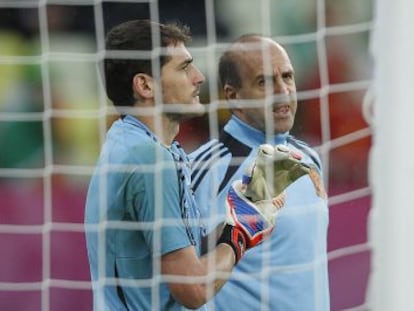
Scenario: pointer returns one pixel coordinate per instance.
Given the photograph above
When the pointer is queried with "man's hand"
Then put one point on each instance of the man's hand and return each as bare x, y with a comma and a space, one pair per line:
247, 224
254, 202
274, 169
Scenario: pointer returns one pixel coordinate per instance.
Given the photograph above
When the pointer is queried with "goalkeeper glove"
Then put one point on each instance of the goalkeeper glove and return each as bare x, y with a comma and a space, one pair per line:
272, 172
253, 203
247, 224
234, 237
250, 220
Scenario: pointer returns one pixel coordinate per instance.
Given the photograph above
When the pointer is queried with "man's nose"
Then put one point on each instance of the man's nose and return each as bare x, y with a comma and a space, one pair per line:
198, 76
280, 87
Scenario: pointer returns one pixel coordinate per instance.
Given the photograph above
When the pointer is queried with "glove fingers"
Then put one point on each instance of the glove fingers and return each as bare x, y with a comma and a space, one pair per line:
274, 169
281, 181
279, 201
298, 171
286, 164
261, 184
292, 171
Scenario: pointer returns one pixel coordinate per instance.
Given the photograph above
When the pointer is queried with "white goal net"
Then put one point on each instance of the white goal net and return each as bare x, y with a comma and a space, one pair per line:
54, 115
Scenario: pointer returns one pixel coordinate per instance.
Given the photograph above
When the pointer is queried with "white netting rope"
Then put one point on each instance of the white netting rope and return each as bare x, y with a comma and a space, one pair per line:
102, 111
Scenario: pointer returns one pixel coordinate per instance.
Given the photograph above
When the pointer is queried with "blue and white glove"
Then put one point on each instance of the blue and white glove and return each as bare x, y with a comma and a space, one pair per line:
247, 224
256, 220
254, 203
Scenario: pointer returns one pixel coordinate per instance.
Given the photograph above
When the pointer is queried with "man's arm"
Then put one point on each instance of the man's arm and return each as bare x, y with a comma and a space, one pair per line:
247, 225
198, 279
209, 241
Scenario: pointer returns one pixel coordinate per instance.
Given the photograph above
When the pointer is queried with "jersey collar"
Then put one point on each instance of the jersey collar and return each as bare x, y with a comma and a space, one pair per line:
175, 148
250, 135
135, 122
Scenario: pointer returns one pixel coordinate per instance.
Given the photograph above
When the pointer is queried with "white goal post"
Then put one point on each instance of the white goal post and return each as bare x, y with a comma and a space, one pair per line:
320, 35
392, 168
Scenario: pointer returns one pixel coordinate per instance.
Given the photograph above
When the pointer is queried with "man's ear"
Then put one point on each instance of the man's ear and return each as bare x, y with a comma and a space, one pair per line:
230, 92
143, 85
231, 95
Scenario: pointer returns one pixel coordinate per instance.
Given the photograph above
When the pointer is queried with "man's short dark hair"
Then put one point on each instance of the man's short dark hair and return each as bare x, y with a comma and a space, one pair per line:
229, 64
228, 70
136, 35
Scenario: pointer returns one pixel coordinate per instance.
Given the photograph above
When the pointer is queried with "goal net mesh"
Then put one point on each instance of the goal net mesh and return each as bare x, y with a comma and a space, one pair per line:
54, 115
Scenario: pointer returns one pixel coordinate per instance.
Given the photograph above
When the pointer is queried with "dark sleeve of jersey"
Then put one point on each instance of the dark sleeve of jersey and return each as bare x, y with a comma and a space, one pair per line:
204, 160
238, 151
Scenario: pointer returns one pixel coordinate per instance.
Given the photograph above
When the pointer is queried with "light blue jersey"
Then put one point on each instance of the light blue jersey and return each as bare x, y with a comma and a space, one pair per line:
139, 207
288, 272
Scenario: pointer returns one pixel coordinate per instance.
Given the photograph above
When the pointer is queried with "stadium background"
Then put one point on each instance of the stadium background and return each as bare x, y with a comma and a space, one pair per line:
46, 158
